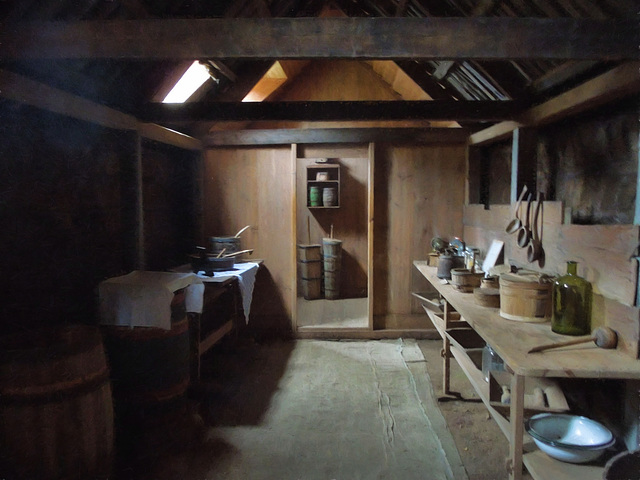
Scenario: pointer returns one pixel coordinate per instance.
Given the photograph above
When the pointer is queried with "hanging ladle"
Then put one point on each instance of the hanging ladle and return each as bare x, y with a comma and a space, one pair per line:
524, 232
516, 223
534, 250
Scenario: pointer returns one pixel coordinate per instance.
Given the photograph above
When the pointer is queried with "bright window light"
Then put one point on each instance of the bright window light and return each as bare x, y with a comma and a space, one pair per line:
191, 81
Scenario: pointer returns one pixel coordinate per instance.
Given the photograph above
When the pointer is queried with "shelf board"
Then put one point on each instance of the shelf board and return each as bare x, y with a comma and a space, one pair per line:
542, 466
480, 386
323, 181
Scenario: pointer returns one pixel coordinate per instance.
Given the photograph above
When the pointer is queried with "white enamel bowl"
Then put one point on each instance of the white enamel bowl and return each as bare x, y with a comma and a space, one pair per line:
569, 438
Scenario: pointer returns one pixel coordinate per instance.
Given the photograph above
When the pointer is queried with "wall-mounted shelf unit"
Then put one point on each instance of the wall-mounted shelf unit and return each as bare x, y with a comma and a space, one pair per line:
323, 176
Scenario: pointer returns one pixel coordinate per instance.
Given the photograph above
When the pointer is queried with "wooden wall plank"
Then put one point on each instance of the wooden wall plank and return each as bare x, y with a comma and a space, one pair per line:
304, 38
253, 187
419, 195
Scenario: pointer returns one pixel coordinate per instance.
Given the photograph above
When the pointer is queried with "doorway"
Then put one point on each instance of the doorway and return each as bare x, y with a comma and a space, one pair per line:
332, 238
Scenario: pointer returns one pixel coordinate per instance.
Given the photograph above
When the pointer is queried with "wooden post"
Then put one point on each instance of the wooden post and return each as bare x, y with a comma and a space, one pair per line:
370, 201
523, 162
294, 238
446, 353
516, 426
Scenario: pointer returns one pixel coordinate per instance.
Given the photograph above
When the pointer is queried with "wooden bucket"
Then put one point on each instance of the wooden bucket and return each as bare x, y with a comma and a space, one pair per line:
311, 288
525, 298
56, 413
465, 280
309, 253
310, 269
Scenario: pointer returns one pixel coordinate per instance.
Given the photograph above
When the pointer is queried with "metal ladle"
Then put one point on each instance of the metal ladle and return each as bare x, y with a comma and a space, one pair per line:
524, 232
516, 223
534, 250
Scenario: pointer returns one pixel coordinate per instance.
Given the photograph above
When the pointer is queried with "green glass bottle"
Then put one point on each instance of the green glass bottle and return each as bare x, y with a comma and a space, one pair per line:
572, 296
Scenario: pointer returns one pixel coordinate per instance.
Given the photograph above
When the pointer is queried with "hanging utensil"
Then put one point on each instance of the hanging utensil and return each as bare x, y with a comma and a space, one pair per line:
516, 223
242, 230
524, 232
534, 250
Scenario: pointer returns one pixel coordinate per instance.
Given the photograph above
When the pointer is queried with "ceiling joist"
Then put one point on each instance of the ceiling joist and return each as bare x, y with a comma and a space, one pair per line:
330, 111
307, 38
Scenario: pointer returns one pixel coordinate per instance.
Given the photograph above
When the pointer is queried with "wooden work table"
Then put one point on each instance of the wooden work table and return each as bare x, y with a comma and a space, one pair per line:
512, 340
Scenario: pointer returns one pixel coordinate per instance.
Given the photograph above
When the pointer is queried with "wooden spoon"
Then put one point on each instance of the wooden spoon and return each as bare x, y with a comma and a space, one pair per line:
235, 254
604, 337
516, 223
524, 232
534, 250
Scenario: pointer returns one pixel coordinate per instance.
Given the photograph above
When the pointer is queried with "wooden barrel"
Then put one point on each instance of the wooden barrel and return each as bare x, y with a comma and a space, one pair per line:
525, 298
149, 366
465, 280
56, 413
487, 297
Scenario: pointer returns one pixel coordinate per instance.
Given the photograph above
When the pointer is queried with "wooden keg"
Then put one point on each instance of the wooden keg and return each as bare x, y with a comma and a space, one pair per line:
525, 298
56, 413
465, 280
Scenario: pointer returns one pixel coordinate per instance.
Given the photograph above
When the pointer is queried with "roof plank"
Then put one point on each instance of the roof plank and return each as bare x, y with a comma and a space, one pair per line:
305, 38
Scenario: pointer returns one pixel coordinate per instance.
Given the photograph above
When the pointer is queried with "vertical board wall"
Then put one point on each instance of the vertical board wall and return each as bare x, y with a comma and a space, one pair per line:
253, 186
419, 194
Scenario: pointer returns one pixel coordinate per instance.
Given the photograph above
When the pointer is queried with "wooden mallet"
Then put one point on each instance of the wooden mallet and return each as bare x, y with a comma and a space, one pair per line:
603, 337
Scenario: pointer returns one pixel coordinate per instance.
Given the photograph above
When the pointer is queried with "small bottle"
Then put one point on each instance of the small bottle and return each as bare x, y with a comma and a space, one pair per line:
572, 296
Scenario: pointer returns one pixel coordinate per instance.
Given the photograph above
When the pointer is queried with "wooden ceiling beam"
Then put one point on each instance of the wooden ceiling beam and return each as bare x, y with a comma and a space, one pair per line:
308, 38
335, 135
330, 111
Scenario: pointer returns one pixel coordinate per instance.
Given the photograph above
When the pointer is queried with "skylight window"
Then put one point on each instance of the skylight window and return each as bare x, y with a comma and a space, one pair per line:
192, 80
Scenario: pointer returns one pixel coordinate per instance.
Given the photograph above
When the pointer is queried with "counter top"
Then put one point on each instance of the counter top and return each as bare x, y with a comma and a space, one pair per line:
512, 340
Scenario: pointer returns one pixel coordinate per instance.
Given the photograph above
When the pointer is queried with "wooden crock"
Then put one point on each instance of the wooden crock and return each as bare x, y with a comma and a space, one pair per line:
487, 297
525, 298
465, 280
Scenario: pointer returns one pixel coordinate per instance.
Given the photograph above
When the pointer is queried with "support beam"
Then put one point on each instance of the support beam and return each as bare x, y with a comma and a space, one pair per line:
480, 38
612, 85
21, 89
331, 111
336, 135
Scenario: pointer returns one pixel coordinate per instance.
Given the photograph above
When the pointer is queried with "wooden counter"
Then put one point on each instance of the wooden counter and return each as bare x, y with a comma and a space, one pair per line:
512, 340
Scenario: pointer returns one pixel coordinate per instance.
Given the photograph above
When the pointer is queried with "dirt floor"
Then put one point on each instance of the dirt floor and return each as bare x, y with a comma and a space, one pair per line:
482, 446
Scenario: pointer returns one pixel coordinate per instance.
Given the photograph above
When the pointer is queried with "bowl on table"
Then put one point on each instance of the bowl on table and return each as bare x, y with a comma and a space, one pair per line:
569, 438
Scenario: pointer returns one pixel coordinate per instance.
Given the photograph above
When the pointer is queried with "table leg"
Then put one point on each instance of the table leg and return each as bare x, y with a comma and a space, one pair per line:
516, 425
